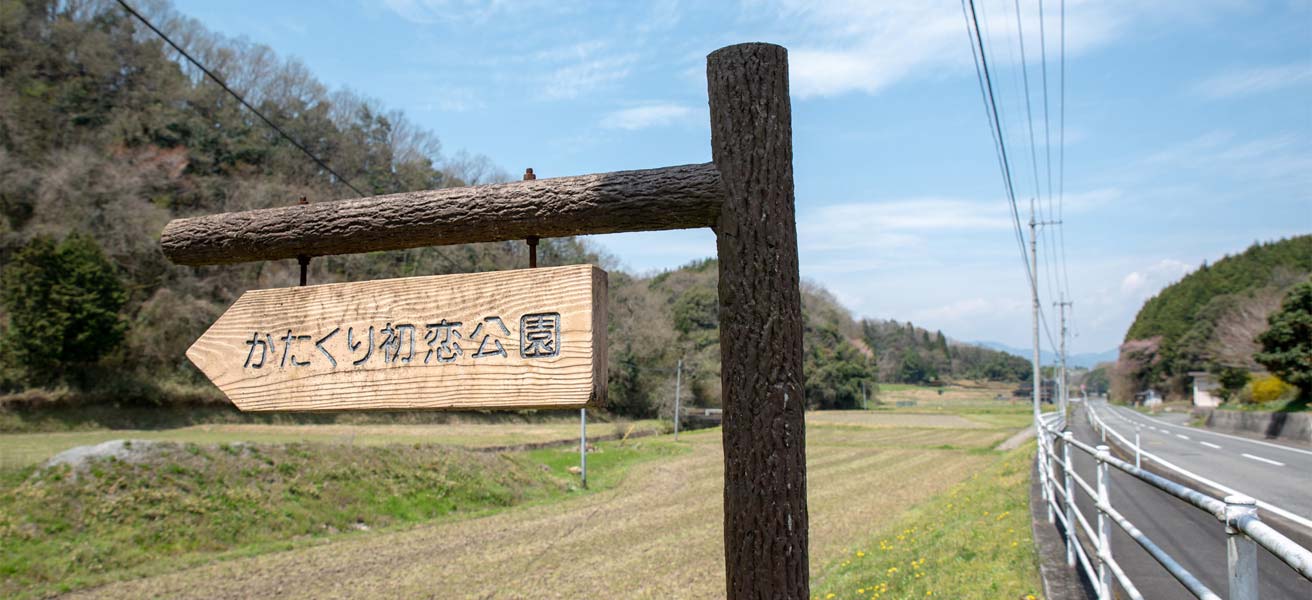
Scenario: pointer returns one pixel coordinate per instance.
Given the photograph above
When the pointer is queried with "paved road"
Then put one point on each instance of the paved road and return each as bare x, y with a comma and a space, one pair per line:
1194, 537
1277, 474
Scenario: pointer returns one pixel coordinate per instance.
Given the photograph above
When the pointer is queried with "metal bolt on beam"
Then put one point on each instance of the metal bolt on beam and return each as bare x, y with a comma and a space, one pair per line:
303, 260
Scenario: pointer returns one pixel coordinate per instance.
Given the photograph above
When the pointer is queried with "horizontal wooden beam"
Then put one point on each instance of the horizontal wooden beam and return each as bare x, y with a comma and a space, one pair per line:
682, 197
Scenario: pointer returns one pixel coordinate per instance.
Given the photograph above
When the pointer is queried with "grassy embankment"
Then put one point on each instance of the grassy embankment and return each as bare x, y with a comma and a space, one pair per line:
31, 436
972, 542
183, 504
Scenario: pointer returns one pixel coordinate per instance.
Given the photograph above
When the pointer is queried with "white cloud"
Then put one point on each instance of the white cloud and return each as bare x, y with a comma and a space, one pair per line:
453, 99
642, 117
1254, 80
865, 46
895, 224
587, 73
1274, 164
1140, 284
969, 308
426, 12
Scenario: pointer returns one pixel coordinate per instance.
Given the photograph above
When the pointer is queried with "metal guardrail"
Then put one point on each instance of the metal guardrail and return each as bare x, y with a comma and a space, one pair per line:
1244, 529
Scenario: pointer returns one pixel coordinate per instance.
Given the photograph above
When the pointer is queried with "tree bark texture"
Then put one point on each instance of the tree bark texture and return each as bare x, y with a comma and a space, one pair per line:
679, 197
765, 512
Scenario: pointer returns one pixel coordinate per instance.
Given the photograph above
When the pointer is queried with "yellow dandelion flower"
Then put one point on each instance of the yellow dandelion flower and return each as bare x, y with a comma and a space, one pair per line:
829, 595
860, 554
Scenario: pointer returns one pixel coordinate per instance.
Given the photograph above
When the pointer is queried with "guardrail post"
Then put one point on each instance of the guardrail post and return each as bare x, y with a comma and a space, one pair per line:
1051, 449
1241, 551
1104, 526
1045, 472
1137, 462
1071, 538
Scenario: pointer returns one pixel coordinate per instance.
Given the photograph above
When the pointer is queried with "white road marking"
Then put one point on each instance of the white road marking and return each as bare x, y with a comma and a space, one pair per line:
1265, 460
1224, 435
1210, 445
1183, 437
1304, 521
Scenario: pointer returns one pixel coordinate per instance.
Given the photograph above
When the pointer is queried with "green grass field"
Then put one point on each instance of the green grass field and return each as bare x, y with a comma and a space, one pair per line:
971, 542
231, 493
22, 449
185, 504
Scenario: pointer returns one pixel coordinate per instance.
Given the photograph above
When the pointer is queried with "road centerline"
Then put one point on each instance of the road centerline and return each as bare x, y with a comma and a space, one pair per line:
1210, 445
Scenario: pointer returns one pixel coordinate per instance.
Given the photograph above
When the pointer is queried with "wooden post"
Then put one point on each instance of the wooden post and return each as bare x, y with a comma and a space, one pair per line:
765, 513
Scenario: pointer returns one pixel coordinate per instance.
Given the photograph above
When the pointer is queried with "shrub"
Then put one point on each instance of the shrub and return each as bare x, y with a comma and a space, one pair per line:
1264, 389
63, 302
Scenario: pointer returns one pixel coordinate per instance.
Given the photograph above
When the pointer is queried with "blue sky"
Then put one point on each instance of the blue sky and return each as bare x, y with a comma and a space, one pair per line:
1188, 129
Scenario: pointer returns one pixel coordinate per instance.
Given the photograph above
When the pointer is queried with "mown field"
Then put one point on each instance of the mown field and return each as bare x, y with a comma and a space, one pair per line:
417, 517
23, 449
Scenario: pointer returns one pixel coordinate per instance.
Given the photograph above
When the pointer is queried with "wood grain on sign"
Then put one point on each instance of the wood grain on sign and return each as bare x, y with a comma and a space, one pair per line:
532, 338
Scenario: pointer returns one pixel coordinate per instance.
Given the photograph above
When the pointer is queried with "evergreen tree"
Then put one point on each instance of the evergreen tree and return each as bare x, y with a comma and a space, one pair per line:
63, 303
1287, 344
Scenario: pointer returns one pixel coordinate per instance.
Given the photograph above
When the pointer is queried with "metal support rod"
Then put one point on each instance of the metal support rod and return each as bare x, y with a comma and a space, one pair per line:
1241, 551
1104, 527
1071, 538
678, 387
583, 447
303, 260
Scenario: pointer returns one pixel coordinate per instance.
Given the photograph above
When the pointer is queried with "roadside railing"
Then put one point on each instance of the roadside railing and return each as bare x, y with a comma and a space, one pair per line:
1238, 513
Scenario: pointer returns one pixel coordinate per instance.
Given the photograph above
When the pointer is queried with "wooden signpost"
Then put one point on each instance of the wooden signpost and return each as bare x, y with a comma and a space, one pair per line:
533, 338
745, 195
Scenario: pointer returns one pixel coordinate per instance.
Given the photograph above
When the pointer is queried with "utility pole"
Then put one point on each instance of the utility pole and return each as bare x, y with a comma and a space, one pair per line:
1065, 393
678, 387
1034, 298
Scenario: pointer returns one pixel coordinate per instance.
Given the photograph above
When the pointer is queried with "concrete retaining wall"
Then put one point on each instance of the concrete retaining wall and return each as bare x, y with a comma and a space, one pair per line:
1294, 427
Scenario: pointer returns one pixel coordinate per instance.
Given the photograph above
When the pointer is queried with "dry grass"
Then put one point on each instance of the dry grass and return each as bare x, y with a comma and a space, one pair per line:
891, 419
657, 535
22, 449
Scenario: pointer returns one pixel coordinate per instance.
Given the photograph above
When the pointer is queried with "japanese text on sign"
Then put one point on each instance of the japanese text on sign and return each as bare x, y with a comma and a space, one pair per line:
405, 343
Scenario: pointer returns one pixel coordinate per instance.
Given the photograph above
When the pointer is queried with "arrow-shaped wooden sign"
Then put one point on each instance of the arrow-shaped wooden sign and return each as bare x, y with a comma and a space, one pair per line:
533, 338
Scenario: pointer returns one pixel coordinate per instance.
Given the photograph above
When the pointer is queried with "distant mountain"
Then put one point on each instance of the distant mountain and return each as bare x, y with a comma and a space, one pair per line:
1087, 360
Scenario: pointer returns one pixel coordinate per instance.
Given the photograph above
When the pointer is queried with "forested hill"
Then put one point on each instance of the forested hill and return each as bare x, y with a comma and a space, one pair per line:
105, 135
1208, 319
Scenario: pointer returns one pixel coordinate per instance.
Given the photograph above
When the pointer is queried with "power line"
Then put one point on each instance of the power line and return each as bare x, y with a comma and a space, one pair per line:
995, 130
991, 111
1048, 266
1061, 145
234, 94
1063, 284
